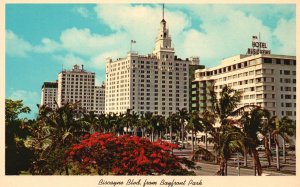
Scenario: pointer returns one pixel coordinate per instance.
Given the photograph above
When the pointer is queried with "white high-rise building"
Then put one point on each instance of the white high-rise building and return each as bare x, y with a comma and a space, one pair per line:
157, 82
49, 94
73, 86
266, 80
76, 85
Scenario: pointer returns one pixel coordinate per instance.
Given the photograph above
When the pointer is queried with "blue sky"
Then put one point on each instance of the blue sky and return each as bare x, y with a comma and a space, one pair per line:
41, 38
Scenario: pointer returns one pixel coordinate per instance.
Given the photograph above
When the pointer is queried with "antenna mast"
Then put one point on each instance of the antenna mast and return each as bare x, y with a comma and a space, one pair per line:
163, 12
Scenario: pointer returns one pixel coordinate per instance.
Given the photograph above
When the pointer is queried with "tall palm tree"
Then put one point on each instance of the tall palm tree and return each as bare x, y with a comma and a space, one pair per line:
283, 128
208, 120
287, 129
231, 141
183, 116
194, 125
252, 122
224, 109
173, 123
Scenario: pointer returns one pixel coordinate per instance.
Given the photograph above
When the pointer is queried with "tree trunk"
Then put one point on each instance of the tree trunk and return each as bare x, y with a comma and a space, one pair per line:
182, 134
152, 136
206, 141
193, 148
222, 167
225, 167
270, 141
267, 150
67, 170
283, 150
256, 162
277, 156
245, 157
171, 134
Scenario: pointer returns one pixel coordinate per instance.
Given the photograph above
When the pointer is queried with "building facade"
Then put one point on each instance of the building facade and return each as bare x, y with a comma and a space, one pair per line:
76, 85
49, 94
266, 80
99, 99
157, 82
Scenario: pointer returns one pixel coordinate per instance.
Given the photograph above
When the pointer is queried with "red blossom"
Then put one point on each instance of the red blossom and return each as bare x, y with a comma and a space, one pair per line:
129, 155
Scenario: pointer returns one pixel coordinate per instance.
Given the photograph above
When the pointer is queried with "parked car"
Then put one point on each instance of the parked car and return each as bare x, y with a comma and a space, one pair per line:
260, 148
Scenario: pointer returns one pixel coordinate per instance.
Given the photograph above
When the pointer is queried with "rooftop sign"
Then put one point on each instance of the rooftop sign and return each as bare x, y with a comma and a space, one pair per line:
258, 47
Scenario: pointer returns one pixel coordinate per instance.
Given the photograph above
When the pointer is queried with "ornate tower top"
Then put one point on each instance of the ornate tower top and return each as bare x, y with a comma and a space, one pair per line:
163, 40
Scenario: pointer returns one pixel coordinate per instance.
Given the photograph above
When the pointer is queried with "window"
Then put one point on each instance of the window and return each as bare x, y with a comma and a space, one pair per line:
286, 62
267, 60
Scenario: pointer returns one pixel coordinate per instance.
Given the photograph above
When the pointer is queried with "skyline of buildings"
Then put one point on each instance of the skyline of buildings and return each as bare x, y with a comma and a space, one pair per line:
159, 82
193, 33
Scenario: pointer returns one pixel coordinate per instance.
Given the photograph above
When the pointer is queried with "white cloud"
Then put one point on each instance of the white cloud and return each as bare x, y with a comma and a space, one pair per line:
285, 32
47, 46
28, 98
84, 42
140, 23
82, 11
16, 46
223, 31
69, 60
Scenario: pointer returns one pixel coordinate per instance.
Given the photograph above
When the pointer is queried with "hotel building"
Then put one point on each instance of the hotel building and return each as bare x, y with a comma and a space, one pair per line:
266, 80
76, 85
157, 82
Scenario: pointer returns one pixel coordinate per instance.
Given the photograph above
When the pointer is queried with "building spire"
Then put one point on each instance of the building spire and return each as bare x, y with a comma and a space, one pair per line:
163, 11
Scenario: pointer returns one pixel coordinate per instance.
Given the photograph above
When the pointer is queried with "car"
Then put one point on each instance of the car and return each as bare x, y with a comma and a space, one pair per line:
260, 148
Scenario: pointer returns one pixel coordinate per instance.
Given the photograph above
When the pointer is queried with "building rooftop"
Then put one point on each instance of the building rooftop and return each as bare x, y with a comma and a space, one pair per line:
50, 85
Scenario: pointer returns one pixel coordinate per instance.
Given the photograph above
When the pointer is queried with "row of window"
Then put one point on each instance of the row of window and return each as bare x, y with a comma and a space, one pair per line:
246, 64
77, 75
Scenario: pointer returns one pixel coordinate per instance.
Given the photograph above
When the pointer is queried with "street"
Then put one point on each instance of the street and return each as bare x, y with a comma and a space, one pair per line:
210, 169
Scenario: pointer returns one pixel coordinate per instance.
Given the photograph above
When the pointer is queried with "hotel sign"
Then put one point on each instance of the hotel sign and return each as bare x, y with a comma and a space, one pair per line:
258, 47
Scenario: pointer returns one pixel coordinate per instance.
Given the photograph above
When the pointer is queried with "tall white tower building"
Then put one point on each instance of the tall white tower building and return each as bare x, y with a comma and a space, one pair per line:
157, 82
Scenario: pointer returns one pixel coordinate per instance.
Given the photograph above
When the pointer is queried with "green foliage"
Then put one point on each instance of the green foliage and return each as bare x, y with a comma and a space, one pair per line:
17, 155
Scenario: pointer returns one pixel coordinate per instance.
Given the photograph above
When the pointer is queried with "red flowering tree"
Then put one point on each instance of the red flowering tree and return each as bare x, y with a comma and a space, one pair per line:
124, 155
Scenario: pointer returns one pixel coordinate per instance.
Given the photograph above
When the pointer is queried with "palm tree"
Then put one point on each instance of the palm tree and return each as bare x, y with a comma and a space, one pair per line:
283, 128
208, 120
131, 120
252, 122
194, 124
183, 116
61, 129
159, 125
287, 129
231, 141
224, 110
92, 120
174, 125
